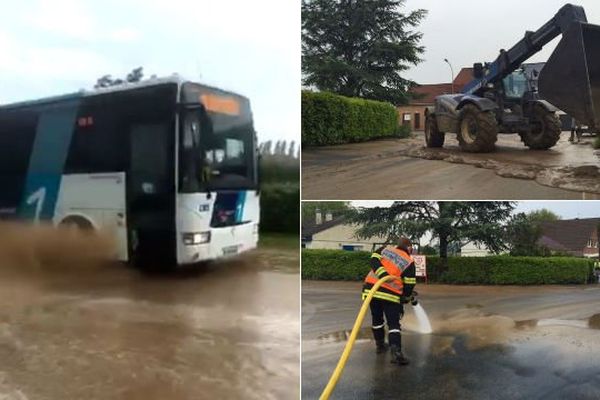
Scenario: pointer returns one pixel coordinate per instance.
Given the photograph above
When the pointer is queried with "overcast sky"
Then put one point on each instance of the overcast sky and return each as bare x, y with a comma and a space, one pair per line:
565, 209
469, 31
50, 47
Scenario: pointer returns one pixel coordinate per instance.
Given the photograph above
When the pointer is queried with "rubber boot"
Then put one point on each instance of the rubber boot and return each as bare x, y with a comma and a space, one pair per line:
379, 336
397, 356
381, 348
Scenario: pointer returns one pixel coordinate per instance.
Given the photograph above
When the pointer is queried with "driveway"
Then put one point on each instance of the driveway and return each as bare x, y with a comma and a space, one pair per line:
405, 169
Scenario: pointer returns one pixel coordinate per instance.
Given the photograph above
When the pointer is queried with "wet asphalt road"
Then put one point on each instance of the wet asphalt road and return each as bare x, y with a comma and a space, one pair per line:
411, 171
487, 343
229, 330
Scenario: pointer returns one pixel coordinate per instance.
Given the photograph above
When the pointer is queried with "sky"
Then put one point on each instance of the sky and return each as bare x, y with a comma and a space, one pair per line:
51, 47
469, 31
565, 209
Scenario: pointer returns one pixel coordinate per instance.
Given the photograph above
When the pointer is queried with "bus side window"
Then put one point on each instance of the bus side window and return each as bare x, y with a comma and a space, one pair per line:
17, 135
97, 145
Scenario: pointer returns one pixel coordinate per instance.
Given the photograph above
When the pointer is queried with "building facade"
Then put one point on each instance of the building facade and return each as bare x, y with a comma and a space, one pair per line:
413, 114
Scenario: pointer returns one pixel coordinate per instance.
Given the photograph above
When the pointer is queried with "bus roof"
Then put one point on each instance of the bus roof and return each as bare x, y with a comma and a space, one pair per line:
174, 79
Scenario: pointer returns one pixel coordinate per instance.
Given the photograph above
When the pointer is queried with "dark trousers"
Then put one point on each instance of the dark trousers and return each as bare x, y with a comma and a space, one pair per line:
393, 313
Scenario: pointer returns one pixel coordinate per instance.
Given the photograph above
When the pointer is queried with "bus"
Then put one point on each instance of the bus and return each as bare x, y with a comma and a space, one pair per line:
168, 165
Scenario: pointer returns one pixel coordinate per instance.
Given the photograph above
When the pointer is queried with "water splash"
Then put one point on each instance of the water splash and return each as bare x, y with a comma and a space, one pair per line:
422, 319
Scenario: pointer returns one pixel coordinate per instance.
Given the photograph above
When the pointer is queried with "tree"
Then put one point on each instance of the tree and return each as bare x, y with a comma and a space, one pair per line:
266, 148
282, 148
104, 81
525, 230
135, 75
542, 215
359, 48
336, 208
291, 149
457, 222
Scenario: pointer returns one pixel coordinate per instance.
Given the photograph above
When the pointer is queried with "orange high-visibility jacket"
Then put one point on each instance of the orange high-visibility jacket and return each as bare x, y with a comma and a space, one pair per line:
394, 262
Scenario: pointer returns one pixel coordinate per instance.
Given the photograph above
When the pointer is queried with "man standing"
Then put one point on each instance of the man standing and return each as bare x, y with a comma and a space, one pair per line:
575, 130
390, 298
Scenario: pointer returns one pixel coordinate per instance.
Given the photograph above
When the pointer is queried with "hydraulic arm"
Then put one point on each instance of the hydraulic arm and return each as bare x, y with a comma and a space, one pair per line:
509, 61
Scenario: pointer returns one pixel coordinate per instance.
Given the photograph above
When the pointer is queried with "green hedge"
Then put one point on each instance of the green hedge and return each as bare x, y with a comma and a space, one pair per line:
280, 208
331, 119
493, 270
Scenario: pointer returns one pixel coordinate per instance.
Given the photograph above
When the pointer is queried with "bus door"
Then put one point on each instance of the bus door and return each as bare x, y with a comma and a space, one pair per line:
151, 195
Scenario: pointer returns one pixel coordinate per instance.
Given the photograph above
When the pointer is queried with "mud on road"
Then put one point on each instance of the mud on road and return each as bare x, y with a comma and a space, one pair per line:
511, 172
487, 343
77, 327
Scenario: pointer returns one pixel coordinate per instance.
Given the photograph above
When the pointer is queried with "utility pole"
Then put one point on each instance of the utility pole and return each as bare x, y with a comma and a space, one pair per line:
451, 73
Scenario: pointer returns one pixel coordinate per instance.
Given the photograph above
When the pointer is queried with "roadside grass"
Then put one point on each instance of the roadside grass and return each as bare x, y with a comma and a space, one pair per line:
287, 241
280, 252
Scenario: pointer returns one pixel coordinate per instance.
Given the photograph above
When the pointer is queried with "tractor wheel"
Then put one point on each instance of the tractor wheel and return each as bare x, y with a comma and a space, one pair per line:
433, 137
545, 130
478, 130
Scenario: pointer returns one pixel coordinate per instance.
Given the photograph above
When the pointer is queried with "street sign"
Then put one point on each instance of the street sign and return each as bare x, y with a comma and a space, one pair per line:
420, 266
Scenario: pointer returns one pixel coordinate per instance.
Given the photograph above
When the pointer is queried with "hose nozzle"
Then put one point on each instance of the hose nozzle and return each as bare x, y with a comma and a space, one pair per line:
413, 298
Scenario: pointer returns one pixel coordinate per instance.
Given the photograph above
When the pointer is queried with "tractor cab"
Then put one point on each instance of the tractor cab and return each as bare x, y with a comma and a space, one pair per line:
516, 85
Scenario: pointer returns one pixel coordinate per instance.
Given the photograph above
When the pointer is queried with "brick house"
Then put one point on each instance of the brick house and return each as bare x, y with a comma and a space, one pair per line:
413, 114
578, 237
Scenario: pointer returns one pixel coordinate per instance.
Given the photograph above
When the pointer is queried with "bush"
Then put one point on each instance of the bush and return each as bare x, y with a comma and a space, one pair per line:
336, 265
331, 119
403, 131
596, 143
492, 270
280, 208
279, 169
506, 270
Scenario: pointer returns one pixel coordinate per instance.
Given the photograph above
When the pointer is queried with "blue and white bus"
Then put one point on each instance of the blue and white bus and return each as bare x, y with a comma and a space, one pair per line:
170, 166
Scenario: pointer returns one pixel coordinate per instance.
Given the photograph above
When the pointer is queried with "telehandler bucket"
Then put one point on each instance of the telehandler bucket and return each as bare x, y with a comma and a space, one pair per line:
570, 80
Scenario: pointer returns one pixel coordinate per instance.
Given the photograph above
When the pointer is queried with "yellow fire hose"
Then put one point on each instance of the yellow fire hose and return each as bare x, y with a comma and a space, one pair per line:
337, 372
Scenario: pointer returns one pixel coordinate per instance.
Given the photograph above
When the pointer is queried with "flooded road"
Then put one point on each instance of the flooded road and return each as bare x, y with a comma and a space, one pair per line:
487, 343
567, 171
104, 331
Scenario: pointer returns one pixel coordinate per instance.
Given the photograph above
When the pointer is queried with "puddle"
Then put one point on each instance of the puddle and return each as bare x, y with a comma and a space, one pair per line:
591, 323
343, 336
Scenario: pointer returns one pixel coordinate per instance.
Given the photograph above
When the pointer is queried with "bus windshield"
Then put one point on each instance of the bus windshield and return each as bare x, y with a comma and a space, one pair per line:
216, 152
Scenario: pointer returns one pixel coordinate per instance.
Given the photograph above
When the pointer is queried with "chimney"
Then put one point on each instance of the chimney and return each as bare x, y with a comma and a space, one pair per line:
319, 217
328, 216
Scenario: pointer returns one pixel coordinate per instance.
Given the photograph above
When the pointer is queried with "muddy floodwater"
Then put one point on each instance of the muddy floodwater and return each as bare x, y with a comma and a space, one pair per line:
512, 171
487, 343
73, 326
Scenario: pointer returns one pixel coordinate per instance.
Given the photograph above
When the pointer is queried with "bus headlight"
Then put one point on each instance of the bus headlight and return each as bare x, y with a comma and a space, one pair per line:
192, 238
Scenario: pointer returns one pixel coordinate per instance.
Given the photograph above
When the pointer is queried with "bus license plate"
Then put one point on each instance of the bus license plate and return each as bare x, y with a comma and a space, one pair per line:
230, 250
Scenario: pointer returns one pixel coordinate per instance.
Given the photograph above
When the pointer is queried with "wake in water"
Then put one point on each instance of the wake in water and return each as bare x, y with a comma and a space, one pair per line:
40, 249
422, 319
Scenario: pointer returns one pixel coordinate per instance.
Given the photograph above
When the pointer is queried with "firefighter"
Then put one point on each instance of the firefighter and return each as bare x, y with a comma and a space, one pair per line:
390, 298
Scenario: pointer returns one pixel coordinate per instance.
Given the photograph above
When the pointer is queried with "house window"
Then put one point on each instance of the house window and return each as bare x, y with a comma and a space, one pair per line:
592, 243
351, 247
